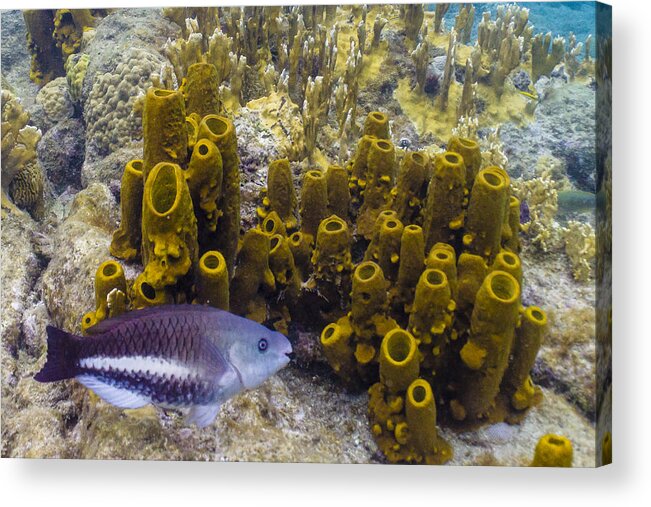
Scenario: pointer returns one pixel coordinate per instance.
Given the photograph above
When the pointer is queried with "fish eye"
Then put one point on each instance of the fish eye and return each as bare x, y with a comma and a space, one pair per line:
262, 344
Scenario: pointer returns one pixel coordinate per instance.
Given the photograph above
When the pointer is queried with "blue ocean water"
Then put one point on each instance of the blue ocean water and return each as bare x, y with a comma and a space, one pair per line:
559, 18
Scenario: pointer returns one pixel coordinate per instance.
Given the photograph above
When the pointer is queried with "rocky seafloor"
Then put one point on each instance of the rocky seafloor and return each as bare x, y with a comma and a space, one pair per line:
303, 414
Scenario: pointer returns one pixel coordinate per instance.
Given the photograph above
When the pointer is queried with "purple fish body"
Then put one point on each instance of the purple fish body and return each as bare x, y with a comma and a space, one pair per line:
174, 356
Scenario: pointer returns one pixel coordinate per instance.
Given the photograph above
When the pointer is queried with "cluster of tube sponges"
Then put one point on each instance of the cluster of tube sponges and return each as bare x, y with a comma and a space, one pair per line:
435, 315
430, 317
179, 206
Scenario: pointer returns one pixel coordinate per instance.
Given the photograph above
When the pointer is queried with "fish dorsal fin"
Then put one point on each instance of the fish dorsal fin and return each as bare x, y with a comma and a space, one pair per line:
119, 397
202, 415
109, 324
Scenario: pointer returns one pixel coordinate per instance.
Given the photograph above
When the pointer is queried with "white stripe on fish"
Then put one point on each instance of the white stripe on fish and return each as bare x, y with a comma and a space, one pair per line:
138, 364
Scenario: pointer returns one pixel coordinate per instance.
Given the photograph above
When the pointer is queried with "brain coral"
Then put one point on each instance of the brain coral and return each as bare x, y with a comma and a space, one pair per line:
55, 99
109, 111
27, 189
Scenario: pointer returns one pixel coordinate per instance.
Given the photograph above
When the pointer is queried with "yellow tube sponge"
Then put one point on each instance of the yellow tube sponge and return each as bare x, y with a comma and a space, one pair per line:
509, 262
201, 90
301, 249
281, 195
528, 338
165, 135
442, 256
443, 214
252, 276
87, 321
169, 227
607, 449
359, 164
109, 277
377, 125
471, 271
127, 238
513, 242
338, 350
412, 260
273, 225
314, 202
221, 131
553, 451
143, 294
485, 214
192, 124
431, 316
69, 25
410, 190
385, 246
380, 180
204, 176
369, 296
471, 154
368, 319
420, 412
46, 62
332, 260
281, 263
486, 353
338, 191
212, 280
399, 360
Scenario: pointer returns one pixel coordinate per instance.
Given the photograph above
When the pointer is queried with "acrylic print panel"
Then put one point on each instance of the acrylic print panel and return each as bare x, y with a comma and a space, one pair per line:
367, 234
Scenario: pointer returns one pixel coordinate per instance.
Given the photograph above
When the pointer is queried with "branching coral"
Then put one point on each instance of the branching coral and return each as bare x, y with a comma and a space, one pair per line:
545, 54
439, 12
580, 246
541, 195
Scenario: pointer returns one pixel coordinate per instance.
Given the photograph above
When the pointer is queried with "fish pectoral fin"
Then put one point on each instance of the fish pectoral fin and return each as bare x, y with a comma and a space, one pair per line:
117, 396
202, 415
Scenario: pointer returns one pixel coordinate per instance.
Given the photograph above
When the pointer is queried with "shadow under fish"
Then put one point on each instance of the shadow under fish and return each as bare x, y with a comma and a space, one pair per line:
186, 357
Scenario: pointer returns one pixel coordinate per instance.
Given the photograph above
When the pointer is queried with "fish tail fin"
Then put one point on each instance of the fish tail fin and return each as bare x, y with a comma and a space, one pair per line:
62, 353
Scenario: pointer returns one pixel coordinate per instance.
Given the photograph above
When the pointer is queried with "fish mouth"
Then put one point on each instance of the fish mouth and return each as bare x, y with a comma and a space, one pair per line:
287, 350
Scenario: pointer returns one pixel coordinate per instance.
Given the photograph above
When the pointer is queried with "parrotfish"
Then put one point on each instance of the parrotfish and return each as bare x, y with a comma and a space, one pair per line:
186, 357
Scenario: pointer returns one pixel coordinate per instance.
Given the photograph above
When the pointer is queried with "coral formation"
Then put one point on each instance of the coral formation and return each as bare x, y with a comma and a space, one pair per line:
76, 67
22, 177
110, 111
55, 100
